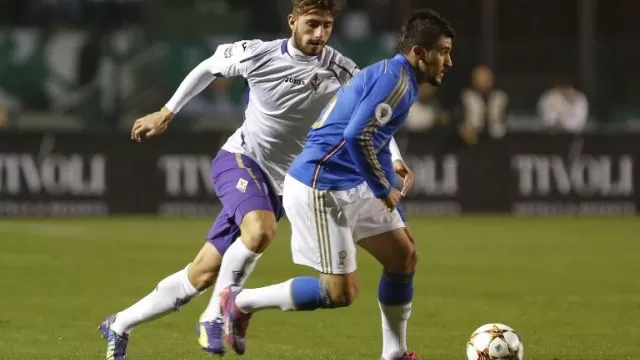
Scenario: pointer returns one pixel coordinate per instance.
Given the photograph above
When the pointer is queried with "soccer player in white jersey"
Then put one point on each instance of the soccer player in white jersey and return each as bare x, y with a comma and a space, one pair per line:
289, 82
339, 192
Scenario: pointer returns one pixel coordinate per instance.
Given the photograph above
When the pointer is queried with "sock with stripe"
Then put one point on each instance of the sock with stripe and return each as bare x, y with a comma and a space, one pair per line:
395, 294
298, 294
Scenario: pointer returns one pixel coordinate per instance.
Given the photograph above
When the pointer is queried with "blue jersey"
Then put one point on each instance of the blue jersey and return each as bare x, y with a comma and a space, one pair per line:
349, 142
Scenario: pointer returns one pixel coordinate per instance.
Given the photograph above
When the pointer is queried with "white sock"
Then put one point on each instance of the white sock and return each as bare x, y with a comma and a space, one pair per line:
171, 293
237, 264
394, 330
268, 297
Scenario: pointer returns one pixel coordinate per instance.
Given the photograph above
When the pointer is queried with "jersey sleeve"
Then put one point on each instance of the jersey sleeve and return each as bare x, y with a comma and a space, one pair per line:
228, 60
236, 59
343, 67
378, 106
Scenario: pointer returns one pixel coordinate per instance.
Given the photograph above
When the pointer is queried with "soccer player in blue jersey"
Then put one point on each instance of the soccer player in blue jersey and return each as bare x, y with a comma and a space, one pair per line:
338, 193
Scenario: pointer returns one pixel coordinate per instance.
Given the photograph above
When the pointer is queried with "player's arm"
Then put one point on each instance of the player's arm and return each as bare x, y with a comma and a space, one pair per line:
375, 109
228, 60
395, 150
400, 167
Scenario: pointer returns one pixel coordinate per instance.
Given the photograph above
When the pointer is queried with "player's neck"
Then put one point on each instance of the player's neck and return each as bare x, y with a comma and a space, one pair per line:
412, 64
296, 54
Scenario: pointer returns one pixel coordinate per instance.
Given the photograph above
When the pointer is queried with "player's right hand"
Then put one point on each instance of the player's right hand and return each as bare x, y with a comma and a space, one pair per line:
151, 125
392, 199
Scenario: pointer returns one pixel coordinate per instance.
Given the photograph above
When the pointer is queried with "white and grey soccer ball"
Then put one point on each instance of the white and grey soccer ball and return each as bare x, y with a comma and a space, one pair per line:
495, 342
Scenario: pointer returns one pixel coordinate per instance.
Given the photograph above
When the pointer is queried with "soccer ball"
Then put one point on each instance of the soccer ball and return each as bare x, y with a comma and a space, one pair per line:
495, 342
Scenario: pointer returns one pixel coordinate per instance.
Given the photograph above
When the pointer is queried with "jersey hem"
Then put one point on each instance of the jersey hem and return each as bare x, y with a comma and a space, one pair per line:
321, 187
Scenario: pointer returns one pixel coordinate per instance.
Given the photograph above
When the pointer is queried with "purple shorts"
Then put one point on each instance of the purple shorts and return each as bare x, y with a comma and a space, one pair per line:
242, 187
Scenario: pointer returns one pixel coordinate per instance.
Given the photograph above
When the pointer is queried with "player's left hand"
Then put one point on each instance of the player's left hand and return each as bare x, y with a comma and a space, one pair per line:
406, 174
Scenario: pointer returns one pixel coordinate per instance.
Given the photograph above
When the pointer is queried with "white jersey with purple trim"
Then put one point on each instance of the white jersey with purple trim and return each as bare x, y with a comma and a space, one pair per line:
286, 92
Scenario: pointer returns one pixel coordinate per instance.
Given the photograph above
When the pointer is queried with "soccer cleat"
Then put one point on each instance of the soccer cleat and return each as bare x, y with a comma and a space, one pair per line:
235, 321
210, 336
406, 356
116, 343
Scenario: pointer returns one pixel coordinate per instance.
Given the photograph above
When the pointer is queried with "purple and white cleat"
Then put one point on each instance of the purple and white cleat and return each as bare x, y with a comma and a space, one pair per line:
116, 343
210, 336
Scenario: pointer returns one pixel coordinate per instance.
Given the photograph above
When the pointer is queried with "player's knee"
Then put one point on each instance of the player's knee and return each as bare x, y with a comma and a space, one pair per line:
259, 237
411, 260
257, 230
345, 295
405, 262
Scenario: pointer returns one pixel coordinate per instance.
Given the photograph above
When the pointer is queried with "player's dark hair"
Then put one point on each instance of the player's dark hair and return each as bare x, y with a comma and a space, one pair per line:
424, 28
301, 7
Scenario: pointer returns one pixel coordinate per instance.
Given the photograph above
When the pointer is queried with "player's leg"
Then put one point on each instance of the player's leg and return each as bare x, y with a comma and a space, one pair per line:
304, 293
177, 289
172, 292
254, 210
384, 236
321, 239
168, 296
258, 227
205, 273
236, 265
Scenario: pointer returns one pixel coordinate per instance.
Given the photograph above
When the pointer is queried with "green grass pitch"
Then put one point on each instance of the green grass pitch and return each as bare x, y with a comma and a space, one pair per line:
569, 286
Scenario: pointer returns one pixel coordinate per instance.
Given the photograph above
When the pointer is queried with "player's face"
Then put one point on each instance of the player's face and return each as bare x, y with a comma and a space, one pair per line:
311, 31
433, 63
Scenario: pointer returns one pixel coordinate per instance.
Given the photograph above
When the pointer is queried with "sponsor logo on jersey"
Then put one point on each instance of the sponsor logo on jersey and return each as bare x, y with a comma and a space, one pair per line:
294, 81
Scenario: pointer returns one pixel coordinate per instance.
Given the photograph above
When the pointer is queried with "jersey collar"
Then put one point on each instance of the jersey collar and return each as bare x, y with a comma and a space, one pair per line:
288, 48
405, 62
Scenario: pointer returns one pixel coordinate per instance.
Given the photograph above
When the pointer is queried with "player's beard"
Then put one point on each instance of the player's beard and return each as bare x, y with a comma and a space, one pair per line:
426, 77
299, 43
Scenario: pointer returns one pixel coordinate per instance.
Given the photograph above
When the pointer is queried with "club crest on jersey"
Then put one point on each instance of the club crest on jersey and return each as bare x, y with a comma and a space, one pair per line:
383, 113
315, 81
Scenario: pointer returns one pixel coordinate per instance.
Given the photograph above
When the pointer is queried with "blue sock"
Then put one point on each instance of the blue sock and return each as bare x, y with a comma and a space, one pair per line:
395, 289
309, 293
395, 294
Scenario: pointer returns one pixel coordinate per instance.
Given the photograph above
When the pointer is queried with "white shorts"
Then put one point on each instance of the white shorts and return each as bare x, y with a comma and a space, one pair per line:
327, 224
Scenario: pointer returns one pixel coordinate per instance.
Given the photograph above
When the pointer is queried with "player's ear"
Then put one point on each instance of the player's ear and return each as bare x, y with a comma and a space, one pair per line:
291, 19
418, 51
